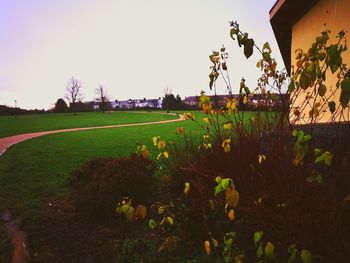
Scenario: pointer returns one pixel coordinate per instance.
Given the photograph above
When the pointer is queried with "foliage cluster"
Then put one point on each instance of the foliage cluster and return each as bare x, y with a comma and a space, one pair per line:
289, 182
100, 182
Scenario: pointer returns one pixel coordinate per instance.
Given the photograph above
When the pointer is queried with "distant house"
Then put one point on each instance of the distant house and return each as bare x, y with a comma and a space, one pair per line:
297, 23
191, 100
137, 103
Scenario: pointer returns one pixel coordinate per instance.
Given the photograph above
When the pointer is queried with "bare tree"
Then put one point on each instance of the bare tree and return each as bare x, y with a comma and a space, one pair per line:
73, 93
102, 97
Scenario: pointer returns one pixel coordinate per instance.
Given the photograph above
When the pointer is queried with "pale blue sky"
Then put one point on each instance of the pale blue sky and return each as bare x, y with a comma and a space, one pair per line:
136, 48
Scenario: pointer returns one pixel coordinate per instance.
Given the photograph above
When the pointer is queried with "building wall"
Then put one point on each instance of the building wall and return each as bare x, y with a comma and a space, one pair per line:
333, 15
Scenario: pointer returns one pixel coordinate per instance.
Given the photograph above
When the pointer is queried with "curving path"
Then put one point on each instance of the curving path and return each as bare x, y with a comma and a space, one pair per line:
7, 142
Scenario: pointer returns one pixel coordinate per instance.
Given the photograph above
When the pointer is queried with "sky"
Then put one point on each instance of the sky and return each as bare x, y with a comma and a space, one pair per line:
135, 48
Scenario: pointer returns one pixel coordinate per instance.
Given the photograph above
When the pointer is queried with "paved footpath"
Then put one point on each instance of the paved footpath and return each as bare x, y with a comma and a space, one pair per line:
7, 142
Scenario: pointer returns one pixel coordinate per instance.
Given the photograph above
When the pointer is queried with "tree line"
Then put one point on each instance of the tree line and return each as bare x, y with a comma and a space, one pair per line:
74, 96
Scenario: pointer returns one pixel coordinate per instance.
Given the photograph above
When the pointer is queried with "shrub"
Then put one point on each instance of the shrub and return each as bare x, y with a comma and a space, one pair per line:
288, 184
102, 182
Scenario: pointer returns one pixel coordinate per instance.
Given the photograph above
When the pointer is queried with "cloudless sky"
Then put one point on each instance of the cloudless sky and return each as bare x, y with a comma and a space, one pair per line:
135, 48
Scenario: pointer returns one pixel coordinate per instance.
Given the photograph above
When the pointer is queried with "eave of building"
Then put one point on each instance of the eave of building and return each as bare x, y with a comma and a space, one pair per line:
283, 15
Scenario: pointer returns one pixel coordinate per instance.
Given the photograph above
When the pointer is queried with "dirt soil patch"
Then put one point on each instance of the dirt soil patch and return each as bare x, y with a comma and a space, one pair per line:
61, 235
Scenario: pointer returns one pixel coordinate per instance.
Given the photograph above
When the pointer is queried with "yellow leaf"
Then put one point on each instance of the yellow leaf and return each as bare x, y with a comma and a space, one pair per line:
227, 148
218, 179
170, 220
261, 158
155, 140
166, 155
158, 156
233, 106
207, 247
231, 215
160, 210
206, 120
270, 251
245, 100
187, 188
306, 256
227, 126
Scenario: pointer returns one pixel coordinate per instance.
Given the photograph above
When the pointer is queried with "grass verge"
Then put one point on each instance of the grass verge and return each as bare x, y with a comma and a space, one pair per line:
13, 125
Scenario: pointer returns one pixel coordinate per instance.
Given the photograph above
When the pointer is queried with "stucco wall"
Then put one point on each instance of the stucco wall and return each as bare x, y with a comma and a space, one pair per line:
331, 15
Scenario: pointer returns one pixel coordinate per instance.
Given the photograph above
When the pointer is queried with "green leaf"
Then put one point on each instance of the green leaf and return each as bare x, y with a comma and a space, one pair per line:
306, 256
248, 47
211, 82
225, 183
267, 56
218, 189
125, 209
233, 32
334, 59
152, 224
292, 250
345, 92
328, 157
319, 159
322, 90
257, 237
239, 40
316, 177
291, 86
259, 251
317, 151
304, 81
331, 106
307, 138
246, 90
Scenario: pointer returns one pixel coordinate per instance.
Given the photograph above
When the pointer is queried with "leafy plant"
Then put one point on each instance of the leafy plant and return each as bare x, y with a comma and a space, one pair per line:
100, 183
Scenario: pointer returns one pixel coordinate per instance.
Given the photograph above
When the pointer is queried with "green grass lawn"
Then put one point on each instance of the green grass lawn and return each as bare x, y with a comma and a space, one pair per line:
34, 170
13, 125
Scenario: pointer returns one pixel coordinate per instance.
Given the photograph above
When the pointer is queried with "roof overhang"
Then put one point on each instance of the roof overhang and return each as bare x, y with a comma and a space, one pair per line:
283, 15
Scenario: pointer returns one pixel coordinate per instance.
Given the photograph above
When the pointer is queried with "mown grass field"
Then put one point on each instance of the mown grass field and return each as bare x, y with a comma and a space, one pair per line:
34, 170
13, 125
